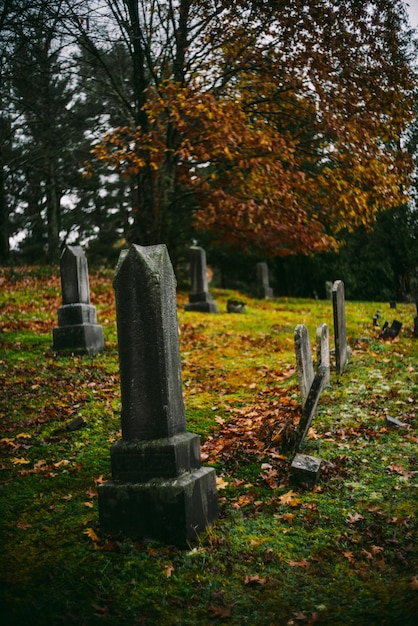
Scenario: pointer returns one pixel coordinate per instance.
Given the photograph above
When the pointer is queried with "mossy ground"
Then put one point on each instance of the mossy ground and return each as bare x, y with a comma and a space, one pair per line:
344, 553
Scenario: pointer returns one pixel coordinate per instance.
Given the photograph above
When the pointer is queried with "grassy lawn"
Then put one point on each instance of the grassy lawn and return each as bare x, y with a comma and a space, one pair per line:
344, 553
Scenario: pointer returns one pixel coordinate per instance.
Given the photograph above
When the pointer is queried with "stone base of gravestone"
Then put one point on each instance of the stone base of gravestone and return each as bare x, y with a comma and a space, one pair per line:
78, 330
172, 511
202, 302
416, 326
304, 471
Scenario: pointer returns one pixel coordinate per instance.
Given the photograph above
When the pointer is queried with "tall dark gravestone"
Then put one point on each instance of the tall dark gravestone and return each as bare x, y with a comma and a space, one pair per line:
340, 331
199, 298
263, 284
78, 330
159, 490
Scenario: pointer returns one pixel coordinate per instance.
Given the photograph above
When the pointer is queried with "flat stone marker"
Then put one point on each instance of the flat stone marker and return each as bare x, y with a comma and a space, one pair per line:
304, 471
340, 331
199, 298
393, 422
264, 291
78, 331
159, 490
322, 350
304, 364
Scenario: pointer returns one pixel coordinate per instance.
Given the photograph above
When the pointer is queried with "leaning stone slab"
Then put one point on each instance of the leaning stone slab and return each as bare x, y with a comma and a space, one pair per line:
304, 362
392, 422
311, 404
322, 350
304, 471
340, 331
78, 331
158, 490
392, 331
199, 298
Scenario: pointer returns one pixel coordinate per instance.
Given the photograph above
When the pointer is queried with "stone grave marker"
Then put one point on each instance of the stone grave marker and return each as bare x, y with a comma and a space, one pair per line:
199, 298
311, 404
322, 350
158, 490
328, 290
340, 332
392, 331
264, 291
304, 471
78, 330
304, 364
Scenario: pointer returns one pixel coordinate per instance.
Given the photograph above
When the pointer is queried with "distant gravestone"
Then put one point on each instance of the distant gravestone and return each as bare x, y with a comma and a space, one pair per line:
78, 330
304, 362
392, 331
159, 490
328, 290
199, 298
340, 331
264, 291
322, 350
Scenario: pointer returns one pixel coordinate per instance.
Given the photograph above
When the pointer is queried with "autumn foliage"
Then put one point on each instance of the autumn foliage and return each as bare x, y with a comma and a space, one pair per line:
277, 124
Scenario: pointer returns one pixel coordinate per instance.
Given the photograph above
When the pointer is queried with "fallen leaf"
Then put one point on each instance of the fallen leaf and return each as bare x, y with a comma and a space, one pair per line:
414, 583
353, 518
221, 483
255, 580
302, 563
349, 556
290, 498
220, 611
168, 570
91, 534
20, 461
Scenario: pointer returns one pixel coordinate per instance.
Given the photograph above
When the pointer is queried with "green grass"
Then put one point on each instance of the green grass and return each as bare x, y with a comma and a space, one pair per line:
341, 554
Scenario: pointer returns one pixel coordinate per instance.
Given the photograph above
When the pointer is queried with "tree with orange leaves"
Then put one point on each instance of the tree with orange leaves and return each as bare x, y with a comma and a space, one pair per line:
273, 125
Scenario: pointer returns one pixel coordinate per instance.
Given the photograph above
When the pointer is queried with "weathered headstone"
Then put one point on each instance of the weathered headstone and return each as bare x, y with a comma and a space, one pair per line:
78, 330
304, 364
199, 298
263, 284
393, 422
340, 331
322, 350
310, 406
328, 290
392, 331
235, 306
304, 471
159, 490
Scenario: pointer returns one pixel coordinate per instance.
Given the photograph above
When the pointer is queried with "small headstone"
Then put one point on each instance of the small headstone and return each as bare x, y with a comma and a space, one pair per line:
304, 471
322, 350
328, 290
393, 331
264, 291
304, 362
78, 330
76, 423
392, 304
235, 306
340, 332
393, 422
376, 317
159, 490
311, 404
199, 298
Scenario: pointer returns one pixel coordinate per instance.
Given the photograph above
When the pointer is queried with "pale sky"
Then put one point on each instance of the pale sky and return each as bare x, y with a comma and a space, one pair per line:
413, 12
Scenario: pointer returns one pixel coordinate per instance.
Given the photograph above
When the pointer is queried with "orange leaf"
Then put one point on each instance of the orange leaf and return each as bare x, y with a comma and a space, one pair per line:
168, 570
